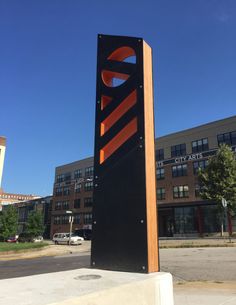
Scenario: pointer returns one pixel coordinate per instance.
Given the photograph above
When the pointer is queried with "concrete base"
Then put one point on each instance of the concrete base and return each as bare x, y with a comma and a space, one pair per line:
88, 287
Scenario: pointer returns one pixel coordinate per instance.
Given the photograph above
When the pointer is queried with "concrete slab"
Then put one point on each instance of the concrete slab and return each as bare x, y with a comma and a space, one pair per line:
88, 286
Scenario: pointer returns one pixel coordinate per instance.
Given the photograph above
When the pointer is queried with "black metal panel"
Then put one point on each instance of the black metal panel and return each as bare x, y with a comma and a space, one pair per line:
119, 213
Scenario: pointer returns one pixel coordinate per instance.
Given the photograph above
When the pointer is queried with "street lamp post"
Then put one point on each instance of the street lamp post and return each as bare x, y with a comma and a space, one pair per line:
71, 219
225, 204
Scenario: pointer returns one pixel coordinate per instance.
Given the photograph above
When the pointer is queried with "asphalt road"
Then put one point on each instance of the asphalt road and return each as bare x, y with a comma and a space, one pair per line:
25, 267
185, 264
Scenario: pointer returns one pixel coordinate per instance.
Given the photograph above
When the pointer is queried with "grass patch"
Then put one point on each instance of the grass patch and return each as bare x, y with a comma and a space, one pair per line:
6, 247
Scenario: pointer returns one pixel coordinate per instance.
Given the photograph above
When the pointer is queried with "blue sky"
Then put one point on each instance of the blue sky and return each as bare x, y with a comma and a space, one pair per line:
48, 74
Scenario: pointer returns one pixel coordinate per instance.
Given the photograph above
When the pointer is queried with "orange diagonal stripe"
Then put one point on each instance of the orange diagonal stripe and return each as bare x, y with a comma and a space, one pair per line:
125, 105
122, 136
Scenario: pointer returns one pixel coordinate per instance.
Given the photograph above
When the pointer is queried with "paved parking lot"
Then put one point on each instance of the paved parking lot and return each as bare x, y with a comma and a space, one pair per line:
200, 264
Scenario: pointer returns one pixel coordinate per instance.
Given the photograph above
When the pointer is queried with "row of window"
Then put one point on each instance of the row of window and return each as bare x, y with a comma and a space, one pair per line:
228, 138
18, 197
180, 191
66, 190
180, 149
88, 172
64, 205
198, 146
77, 219
181, 169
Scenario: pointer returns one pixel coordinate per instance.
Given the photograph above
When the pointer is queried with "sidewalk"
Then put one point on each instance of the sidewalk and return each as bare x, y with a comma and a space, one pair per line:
197, 242
57, 287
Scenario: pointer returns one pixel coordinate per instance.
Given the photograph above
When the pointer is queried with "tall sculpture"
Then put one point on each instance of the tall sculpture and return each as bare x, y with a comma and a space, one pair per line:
124, 211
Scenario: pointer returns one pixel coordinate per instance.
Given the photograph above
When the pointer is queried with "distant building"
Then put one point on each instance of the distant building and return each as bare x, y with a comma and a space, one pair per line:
11, 198
42, 205
73, 191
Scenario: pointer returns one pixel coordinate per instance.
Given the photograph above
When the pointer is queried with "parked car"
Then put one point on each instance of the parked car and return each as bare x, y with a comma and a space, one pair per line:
37, 239
63, 238
13, 239
85, 233
28, 238
25, 238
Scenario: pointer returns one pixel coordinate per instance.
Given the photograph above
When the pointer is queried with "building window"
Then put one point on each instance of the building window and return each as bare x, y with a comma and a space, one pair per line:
198, 190
179, 170
160, 173
77, 218
88, 218
58, 191
65, 205
200, 145
59, 178
199, 165
78, 173
88, 186
161, 193
228, 138
63, 177
67, 176
65, 219
58, 205
180, 191
57, 220
66, 191
77, 203
178, 150
160, 154
78, 187
185, 220
89, 171
88, 202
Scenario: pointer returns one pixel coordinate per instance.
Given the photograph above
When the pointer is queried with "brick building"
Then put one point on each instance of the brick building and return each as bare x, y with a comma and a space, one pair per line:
178, 156
42, 205
11, 198
73, 191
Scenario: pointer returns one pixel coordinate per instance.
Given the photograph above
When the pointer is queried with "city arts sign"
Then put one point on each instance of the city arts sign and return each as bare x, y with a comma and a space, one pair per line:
182, 159
191, 157
177, 160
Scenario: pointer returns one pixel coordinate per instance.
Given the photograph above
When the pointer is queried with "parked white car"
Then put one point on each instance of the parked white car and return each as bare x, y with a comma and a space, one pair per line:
63, 238
37, 239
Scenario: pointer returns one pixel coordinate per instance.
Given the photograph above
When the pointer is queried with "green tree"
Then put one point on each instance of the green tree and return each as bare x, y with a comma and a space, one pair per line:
218, 179
34, 225
8, 222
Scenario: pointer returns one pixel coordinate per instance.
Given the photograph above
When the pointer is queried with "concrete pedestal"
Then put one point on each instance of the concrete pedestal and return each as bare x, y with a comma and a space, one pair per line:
89, 287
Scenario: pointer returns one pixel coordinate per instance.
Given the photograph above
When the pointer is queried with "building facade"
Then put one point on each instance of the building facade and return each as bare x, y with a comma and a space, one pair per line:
72, 192
42, 205
181, 211
11, 198
179, 156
